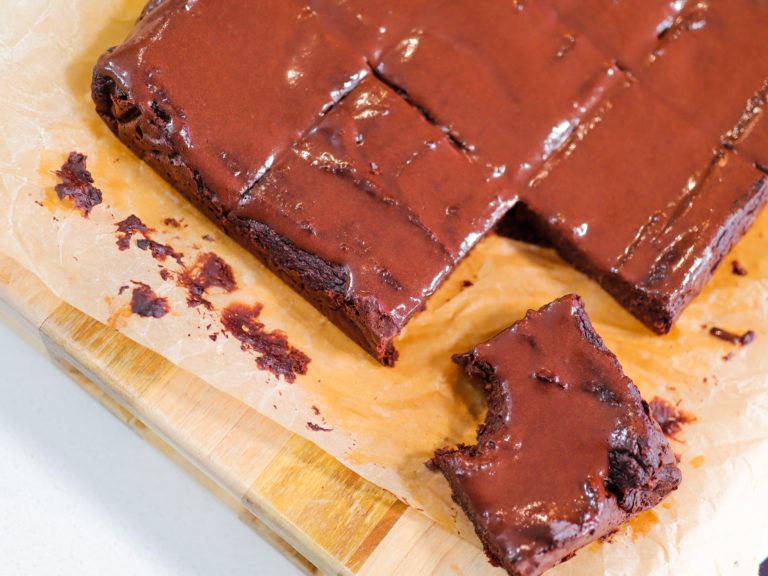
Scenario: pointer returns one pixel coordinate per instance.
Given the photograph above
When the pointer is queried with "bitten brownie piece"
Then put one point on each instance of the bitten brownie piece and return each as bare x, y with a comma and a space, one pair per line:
567, 452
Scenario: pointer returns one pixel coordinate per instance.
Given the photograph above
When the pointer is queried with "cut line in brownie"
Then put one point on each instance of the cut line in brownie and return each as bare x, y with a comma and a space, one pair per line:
568, 451
246, 109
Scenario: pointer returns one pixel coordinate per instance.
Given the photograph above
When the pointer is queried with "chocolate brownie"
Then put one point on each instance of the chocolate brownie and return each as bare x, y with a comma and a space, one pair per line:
248, 110
568, 451
645, 203
509, 83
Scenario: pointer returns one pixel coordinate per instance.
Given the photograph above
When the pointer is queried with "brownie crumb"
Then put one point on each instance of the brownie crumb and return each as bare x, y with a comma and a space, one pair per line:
738, 269
277, 355
316, 410
77, 184
172, 222
669, 417
318, 428
146, 303
159, 251
122, 289
209, 270
213, 337
467, 284
133, 225
209, 238
740, 340
127, 228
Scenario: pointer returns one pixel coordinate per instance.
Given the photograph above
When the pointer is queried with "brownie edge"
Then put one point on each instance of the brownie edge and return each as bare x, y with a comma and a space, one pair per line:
567, 451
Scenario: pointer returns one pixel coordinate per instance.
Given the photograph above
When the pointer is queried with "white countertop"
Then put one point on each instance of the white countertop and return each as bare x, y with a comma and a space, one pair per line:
82, 494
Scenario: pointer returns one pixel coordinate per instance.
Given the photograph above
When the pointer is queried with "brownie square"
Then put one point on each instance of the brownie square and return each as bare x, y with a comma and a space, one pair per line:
505, 79
383, 205
567, 452
711, 66
645, 204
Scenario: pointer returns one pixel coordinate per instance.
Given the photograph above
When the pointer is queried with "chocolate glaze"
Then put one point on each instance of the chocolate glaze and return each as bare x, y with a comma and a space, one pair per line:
276, 354
77, 184
264, 123
487, 88
627, 31
299, 70
725, 98
665, 229
145, 303
567, 452
349, 160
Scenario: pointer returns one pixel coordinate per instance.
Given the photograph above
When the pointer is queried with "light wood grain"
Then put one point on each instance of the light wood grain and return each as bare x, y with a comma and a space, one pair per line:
323, 515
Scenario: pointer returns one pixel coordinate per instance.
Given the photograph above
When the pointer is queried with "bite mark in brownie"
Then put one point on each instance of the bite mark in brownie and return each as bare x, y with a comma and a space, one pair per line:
561, 460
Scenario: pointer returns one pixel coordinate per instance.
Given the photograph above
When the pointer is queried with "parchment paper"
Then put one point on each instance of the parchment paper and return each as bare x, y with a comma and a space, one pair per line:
385, 422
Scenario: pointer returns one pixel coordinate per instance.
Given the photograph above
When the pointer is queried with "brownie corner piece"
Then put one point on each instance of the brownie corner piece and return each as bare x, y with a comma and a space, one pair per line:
568, 450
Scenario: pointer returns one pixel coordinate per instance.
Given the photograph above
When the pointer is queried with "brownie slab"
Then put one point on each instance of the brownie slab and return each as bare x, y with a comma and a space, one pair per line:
249, 110
567, 452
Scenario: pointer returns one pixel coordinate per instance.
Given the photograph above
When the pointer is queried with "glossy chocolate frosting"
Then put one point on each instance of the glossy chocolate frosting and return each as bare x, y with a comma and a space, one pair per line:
333, 137
567, 451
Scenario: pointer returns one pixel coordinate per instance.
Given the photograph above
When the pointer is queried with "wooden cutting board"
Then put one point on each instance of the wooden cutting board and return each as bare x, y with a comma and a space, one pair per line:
322, 515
